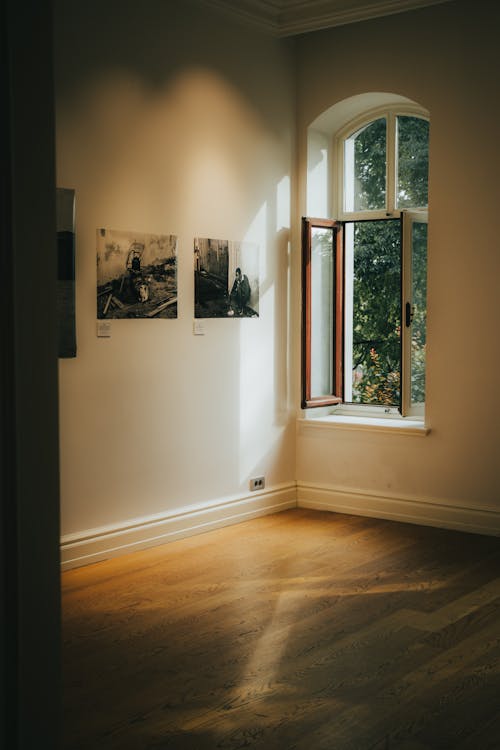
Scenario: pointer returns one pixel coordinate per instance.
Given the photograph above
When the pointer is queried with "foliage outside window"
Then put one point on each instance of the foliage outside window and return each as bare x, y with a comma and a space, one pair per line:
381, 355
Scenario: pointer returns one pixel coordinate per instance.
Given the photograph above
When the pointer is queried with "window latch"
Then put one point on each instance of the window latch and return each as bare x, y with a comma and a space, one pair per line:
408, 314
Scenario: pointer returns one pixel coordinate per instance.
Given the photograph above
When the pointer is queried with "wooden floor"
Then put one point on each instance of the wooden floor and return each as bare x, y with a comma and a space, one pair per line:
301, 630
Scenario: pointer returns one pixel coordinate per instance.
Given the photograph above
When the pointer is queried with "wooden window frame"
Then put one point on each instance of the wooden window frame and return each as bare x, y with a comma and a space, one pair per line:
337, 386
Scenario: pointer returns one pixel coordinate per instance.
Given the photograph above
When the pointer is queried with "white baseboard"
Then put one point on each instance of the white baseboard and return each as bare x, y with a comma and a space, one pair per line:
478, 520
94, 545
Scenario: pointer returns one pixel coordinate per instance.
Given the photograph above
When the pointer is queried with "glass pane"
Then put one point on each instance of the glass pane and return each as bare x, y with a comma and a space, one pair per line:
376, 313
365, 168
413, 162
322, 254
419, 323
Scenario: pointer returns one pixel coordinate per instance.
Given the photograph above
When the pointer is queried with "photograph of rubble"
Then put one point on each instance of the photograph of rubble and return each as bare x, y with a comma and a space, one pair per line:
136, 275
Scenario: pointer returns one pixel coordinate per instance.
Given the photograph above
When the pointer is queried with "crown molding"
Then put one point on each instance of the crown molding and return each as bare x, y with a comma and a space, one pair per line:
283, 18
259, 14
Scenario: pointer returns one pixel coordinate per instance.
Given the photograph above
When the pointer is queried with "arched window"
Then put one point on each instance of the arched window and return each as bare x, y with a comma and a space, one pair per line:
365, 268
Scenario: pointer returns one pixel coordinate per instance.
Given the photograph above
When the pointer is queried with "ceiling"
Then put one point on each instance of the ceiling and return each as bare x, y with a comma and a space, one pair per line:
287, 17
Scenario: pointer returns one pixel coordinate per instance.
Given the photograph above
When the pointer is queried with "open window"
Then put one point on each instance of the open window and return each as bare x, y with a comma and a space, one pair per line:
365, 274
322, 312
415, 312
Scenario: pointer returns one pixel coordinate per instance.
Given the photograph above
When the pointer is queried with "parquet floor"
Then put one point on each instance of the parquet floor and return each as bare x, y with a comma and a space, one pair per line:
298, 631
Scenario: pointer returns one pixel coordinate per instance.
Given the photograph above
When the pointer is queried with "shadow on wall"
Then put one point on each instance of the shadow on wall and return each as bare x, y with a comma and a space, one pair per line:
166, 146
95, 38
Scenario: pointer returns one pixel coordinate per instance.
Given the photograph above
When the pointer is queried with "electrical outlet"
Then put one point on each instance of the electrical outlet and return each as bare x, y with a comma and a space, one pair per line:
257, 483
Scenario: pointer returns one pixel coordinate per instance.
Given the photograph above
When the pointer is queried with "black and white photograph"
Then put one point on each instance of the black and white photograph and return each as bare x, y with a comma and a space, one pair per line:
136, 274
226, 279
65, 216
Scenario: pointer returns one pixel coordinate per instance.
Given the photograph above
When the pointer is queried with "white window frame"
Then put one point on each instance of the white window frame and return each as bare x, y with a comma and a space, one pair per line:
389, 211
410, 217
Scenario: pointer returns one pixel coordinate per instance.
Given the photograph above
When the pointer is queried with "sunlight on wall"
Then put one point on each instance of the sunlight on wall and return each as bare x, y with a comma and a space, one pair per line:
317, 174
283, 204
256, 397
190, 156
220, 140
261, 389
212, 182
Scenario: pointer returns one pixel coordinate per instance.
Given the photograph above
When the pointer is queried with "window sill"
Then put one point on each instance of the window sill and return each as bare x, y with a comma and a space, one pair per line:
371, 424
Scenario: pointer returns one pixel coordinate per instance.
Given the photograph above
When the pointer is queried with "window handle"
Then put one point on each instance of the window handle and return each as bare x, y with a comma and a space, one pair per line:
408, 314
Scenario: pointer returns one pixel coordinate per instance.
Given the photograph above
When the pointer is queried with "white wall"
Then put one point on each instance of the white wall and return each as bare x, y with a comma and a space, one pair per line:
447, 59
172, 120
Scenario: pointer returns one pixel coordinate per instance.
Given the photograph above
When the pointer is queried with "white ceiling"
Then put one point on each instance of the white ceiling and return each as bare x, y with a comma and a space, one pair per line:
288, 17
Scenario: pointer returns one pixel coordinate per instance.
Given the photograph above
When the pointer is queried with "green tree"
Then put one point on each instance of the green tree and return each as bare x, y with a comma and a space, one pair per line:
413, 162
377, 312
369, 166
377, 264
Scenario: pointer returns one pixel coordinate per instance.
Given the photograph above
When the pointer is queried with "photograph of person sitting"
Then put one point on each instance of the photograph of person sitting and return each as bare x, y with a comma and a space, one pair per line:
240, 293
226, 279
